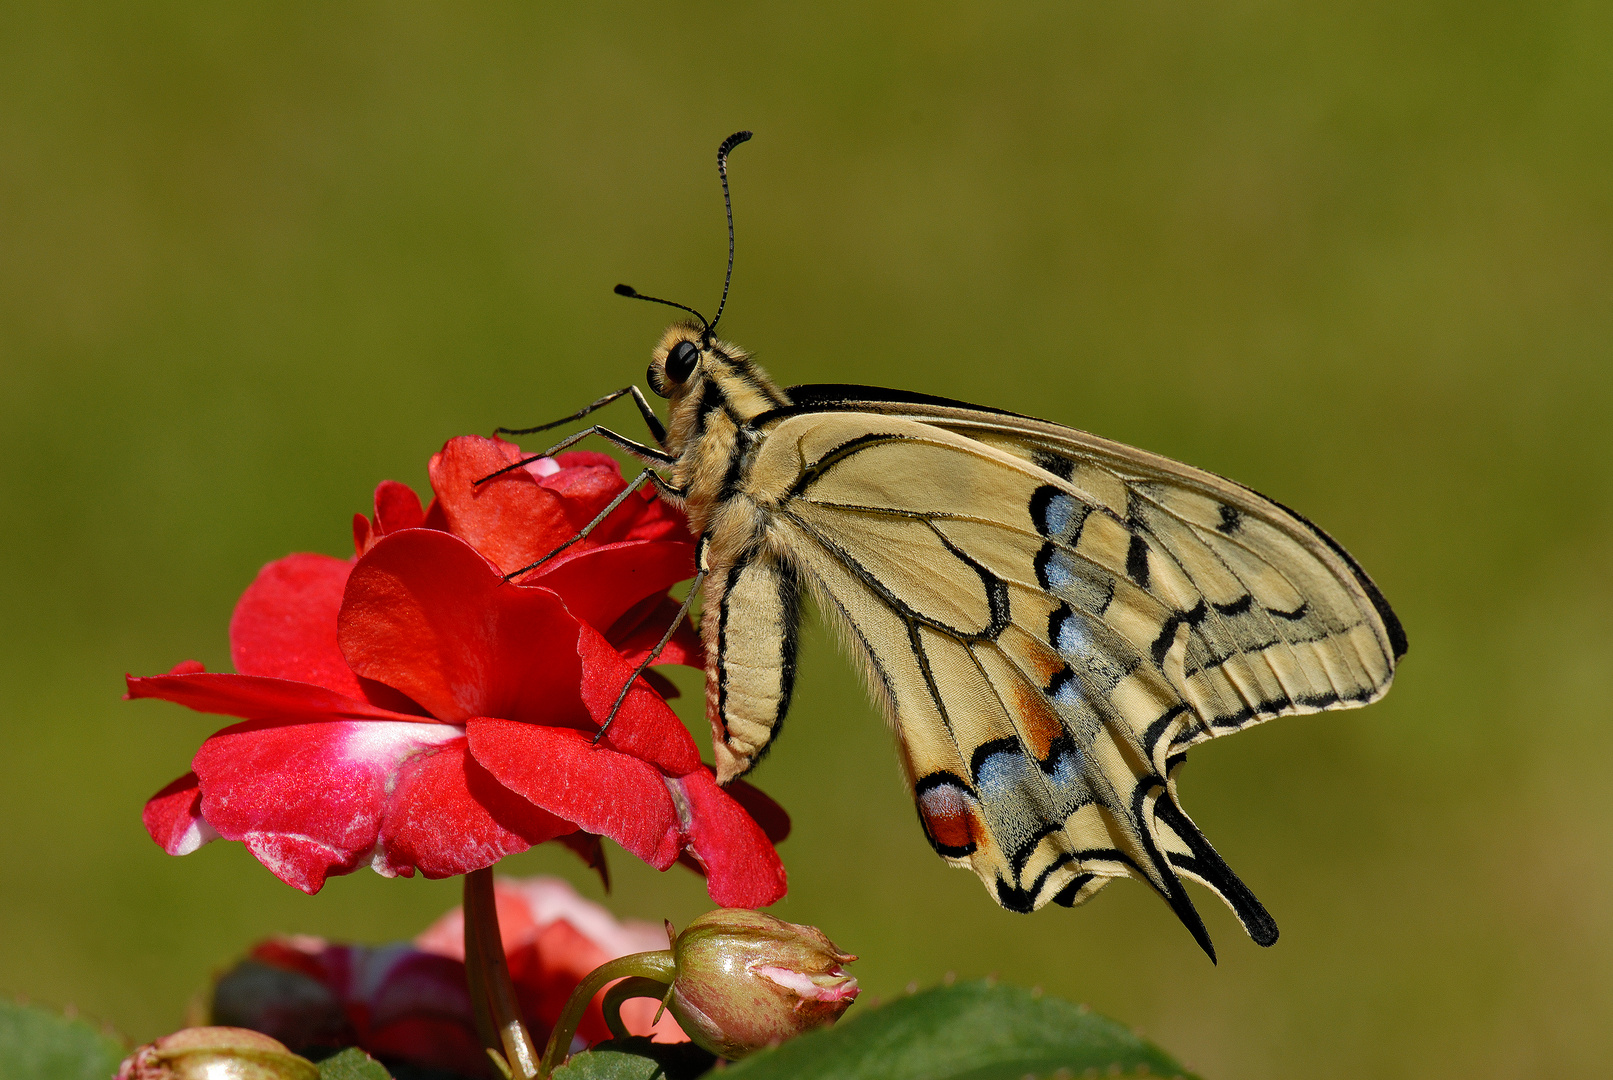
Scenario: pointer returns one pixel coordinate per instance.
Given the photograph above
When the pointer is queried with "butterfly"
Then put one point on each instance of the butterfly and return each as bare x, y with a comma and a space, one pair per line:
1049, 620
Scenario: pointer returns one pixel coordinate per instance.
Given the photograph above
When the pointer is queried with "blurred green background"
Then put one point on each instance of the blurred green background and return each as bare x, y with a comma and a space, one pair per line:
1359, 257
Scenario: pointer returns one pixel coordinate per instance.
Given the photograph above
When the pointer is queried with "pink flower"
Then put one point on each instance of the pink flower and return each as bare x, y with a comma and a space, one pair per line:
411, 710
552, 939
409, 1003
394, 1001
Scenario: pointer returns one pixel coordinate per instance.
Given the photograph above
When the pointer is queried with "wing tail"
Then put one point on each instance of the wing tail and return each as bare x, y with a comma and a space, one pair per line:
1203, 864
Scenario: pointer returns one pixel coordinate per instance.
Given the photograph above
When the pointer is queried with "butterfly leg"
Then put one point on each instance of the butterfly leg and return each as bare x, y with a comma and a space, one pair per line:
672, 628
633, 485
646, 454
651, 421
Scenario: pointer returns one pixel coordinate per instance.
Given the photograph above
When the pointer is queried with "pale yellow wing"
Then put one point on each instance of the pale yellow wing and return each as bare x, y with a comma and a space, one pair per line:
1051, 619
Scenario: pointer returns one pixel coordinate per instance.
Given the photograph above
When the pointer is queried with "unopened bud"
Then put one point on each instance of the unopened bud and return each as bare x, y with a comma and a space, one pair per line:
747, 980
216, 1053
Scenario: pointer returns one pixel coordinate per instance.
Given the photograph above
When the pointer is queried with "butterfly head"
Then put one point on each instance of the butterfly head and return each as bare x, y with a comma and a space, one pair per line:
692, 363
678, 359
688, 355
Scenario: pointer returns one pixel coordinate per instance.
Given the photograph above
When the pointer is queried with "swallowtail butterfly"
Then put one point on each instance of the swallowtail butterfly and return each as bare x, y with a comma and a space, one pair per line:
1048, 619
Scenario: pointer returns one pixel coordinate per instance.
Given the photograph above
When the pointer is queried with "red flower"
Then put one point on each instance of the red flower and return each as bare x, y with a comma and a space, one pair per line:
411, 710
410, 1003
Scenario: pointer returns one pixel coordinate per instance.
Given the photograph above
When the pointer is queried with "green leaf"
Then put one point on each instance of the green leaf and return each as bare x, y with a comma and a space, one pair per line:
37, 1044
352, 1064
972, 1031
637, 1059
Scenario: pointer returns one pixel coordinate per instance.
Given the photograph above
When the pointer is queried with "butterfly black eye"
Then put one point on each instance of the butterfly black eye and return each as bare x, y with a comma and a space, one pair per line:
681, 360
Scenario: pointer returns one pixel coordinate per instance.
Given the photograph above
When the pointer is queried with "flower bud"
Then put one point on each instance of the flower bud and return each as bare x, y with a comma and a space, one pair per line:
747, 980
216, 1053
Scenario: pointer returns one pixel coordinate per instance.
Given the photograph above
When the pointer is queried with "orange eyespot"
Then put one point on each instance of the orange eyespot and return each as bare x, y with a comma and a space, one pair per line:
948, 815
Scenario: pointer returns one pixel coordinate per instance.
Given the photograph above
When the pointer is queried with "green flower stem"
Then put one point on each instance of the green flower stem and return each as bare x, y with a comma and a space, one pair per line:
655, 967
496, 986
636, 987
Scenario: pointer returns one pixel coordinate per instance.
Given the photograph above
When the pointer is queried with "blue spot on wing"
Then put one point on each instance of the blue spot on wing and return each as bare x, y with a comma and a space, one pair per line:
1054, 569
1070, 635
1063, 771
1065, 690
1004, 776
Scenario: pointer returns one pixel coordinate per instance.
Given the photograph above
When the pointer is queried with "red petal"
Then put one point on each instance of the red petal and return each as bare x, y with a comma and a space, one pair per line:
362, 534
762, 809
522, 515
429, 617
573, 460
636, 633
742, 869
659, 526
294, 954
645, 516
593, 478
659, 521
285, 624
447, 816
302, 863
661, 684
601, 584
590, 480
173, 817
256, 698
397, 507
307, 799
513, 519
602, 791
645, 726
444, 1045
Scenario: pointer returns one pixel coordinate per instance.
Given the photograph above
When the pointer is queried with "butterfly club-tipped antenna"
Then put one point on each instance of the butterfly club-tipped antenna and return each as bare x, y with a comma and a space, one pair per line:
710, 332
723, 151
633, 294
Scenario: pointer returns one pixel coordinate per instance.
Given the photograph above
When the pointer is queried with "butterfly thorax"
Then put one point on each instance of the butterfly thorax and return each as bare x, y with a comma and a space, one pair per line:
708, 428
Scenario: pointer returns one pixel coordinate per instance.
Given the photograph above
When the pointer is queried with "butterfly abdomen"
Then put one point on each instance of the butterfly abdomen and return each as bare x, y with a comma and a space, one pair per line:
750, 624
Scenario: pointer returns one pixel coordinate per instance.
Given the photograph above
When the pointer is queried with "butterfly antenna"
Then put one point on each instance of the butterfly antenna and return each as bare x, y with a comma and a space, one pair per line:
632, 293
723, 151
